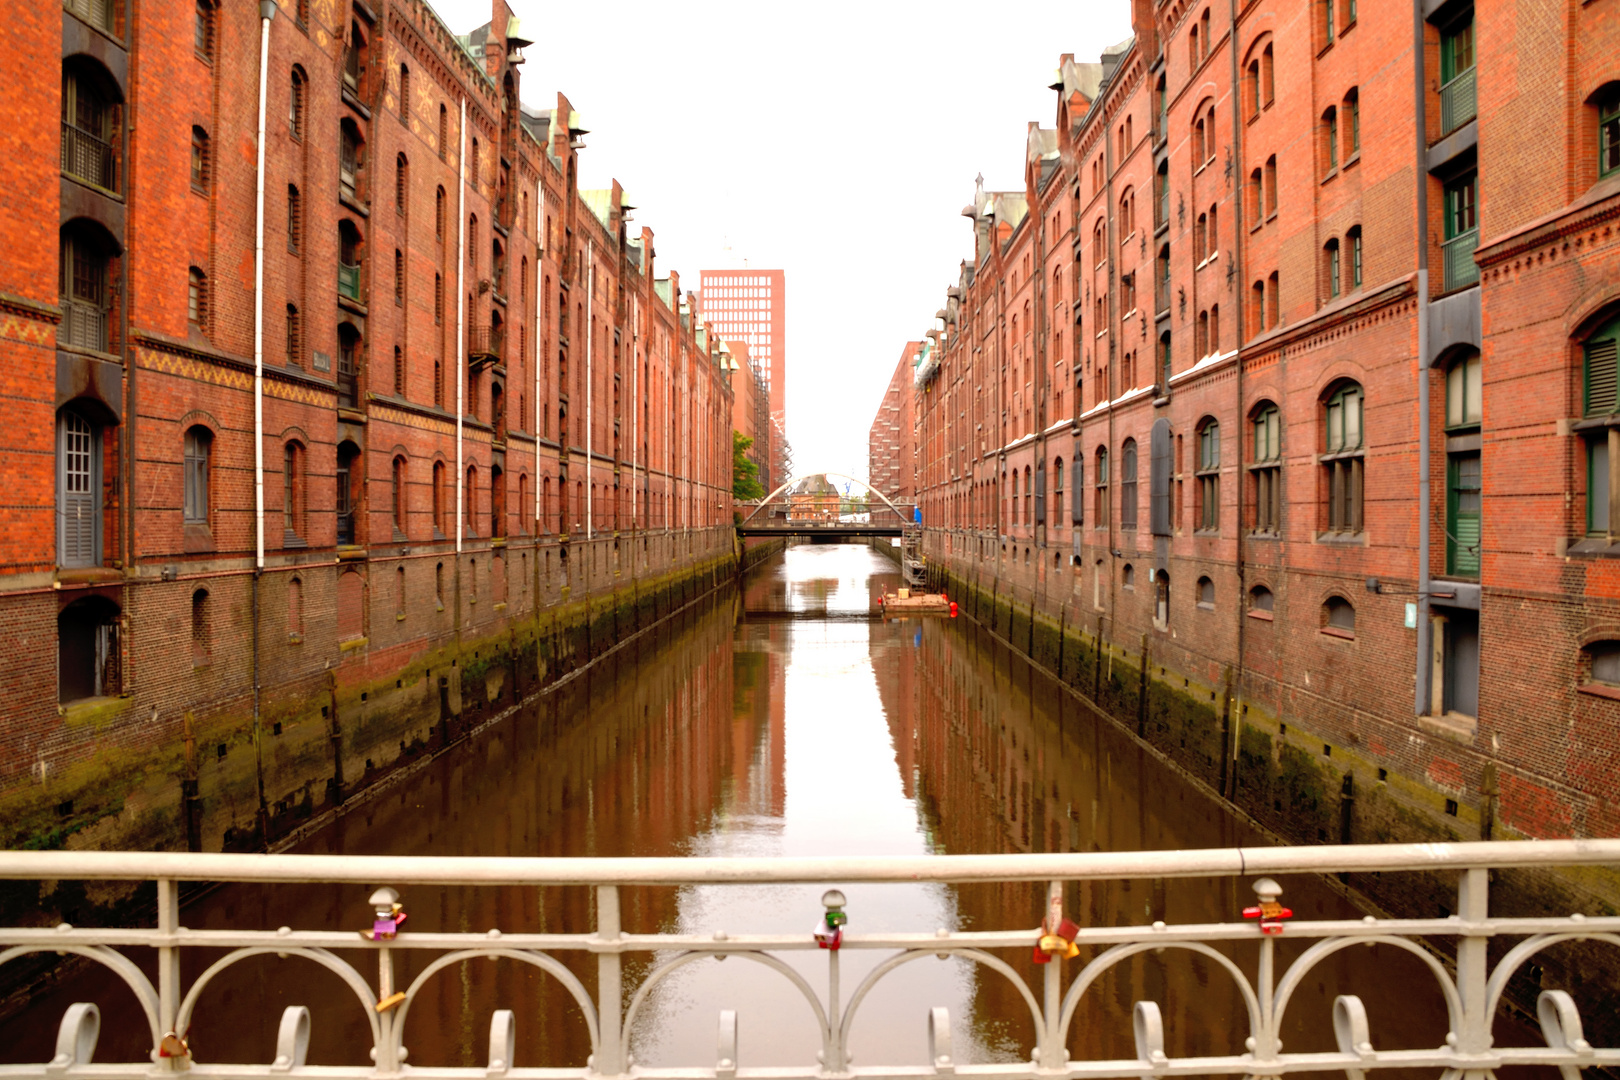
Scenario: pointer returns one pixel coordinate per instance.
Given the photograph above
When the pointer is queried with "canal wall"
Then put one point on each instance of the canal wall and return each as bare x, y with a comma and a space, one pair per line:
1284, 778
214, 777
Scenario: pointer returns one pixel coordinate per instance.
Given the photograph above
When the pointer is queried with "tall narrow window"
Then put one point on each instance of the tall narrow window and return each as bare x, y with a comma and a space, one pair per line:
399, 278
438, 299
1100, 512
1268, 82
1463, 413
401, 183
1609, 131
1267, 470
399, 371
295, 219
292, 493
347, 493
1343, 460
197, 299
1252, 89
90, 123
469, 502
295, 104
198, 446
397, 502
351, 158
438, 499
1352, 125
1273, 301
1462, 231
404, 94
348, 260
1057, 493
1353, 238
203, 30
444, 133
1330, 138
438, 215
1458, 96
1209, 476
348, 366
86, 303
294, 335
1271, 185
1127, 485
199, 160
78, 485
1333, 267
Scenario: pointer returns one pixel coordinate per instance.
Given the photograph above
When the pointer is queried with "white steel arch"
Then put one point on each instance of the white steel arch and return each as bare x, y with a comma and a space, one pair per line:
842, 476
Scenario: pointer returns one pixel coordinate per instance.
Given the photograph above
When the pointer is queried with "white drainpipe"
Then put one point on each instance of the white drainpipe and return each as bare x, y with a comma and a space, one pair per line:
267, 11
590, 345
461, 315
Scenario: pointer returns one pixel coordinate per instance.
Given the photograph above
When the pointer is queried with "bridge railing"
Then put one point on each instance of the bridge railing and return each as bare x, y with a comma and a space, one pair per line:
1056, 994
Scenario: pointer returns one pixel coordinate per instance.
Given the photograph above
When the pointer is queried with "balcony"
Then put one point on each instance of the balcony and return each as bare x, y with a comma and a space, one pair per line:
349, 280
1458, 256
84, 326
485, 346
1459, 101
88, 158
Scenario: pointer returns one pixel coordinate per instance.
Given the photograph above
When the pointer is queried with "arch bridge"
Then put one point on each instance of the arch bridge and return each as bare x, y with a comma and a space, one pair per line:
799, 508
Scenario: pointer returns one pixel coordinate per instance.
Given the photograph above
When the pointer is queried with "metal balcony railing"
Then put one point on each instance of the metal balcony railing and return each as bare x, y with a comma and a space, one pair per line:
349, 280
87, 157
484, 344
1458, 255
1459, 101
84, 325
1061, 996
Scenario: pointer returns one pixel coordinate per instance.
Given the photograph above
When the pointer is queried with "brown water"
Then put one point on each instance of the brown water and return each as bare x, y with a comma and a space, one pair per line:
779, 721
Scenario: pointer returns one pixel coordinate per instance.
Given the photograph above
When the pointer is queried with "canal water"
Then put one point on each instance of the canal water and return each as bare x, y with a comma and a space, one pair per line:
779, 718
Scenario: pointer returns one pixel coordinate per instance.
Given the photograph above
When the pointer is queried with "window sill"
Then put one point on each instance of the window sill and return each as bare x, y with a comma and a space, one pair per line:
1271, 217
1454, 726
399, 616
1332, 174
351, 553
352, 201
1335, 632
1265, 534
1343, 539
1353, 159
352, 644
1201, 606
1263, 616
1603, 690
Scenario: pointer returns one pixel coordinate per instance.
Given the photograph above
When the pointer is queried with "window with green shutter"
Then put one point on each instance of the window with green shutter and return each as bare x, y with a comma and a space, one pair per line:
1267, 470
1463, 393
1602, 356
1458, 94
1462, 231
1609, 131
1462, 514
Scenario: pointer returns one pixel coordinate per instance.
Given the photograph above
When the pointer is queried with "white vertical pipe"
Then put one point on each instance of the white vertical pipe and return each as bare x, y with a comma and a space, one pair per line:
590, 346
258, 300
461, 314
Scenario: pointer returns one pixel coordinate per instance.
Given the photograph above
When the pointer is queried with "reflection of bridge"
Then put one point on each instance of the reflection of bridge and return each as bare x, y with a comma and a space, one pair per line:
809, 505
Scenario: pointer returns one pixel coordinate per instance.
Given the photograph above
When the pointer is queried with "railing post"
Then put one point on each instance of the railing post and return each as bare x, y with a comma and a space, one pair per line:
1053, 1055
168, 917
387, 1060
1473, 968
609, 984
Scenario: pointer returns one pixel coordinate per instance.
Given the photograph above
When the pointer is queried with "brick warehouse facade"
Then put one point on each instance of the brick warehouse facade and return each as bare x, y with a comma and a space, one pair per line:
890, 464
1192, 393
425, 247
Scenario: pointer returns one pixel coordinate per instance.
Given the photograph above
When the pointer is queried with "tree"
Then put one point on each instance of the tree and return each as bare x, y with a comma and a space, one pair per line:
744, 473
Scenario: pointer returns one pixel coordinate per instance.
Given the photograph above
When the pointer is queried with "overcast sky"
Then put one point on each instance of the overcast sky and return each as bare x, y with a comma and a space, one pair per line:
837, 141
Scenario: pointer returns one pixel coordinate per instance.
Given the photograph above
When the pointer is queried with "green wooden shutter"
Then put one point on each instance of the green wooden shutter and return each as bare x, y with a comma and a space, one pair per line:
1462, 514
1601, 368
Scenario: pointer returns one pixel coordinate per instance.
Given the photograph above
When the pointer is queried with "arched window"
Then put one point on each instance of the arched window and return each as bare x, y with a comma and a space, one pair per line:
349, 248
351, 159
399, 278
397, 502
404, 94
1338, 617
197, 299
472, 165
1352, 240
1350, 121
1271, 186
348, 365
444, 136
1057, 493
1127, 213
1206, 594
295, 103
497, 501
1161, 599
348, 493
294, 336
1342, 459
87, 650
1161, 196
1029, 498
1332, 268
295, 219
525, 512
354, 64
295, 609
1208, 471
1100, 512
1127, 485
438, 214
199, 160
201, 632
1268, 81
1252, 89
399, 371
401, 183
1601, 663
86, 258
1273, 301
1266, 424
438, 500
1254, 204
1261, 603
469, 503
91, 120
292, 494
199, 445
78, 486
1015, 505
1127, 577
1200, 238
1330, 136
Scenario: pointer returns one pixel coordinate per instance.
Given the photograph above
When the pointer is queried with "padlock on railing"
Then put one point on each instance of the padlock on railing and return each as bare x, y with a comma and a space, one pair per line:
1057, 931
830, 931
1270, 913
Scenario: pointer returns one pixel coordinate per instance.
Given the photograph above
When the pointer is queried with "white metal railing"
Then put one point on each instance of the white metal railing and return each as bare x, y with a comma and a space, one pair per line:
1470, 996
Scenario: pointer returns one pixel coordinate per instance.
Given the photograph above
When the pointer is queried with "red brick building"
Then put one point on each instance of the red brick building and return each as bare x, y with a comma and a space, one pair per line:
295, 423
1314, 404
751, 411
890, 466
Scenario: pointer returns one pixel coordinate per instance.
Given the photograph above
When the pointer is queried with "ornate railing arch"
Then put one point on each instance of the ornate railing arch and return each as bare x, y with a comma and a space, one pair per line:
1056, 993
